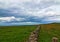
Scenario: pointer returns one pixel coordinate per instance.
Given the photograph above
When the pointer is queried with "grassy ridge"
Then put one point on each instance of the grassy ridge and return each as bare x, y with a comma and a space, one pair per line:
15, 33
48, 31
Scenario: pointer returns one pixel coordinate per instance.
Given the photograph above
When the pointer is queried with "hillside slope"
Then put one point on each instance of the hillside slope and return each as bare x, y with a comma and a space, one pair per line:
48, 31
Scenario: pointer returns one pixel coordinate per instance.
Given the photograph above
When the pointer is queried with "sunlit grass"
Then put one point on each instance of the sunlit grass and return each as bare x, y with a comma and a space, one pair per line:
15, 33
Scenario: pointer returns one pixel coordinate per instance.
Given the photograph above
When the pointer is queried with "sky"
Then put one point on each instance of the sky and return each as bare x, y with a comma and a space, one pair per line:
20, 12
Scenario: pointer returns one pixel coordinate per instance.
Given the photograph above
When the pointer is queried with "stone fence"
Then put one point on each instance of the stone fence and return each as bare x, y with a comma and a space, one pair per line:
34, 35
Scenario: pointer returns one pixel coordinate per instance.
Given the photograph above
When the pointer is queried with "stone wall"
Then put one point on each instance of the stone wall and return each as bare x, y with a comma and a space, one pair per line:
34, 35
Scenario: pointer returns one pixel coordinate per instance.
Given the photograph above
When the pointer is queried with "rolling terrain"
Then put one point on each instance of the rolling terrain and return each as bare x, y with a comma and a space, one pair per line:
21, 33
15, 33
48, 31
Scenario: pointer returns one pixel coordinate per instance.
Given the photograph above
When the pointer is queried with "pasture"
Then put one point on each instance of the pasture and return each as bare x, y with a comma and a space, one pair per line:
15, 33
48, 31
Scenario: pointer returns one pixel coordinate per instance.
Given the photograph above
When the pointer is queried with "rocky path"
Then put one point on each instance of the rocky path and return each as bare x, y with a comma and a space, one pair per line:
34, 35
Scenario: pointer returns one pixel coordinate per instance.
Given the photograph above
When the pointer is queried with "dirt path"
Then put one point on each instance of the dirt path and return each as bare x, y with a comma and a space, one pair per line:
34, 35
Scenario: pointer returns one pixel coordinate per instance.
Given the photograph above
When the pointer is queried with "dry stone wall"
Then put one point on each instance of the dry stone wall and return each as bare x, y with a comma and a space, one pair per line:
34, 35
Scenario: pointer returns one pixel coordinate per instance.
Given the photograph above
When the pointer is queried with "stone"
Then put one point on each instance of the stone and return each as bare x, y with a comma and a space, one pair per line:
54, 39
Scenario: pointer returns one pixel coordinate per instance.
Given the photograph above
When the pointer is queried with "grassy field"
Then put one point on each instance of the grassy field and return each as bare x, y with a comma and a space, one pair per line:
21, 33
48, 31
15, 33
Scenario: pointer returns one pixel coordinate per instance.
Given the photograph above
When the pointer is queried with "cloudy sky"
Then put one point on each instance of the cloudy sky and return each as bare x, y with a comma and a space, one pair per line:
29, 11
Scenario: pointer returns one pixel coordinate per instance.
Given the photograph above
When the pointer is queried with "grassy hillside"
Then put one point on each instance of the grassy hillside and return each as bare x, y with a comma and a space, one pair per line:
48, 31
15, 33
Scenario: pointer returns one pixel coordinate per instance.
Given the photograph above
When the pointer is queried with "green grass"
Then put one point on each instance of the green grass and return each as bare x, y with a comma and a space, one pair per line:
48, 31
15, 33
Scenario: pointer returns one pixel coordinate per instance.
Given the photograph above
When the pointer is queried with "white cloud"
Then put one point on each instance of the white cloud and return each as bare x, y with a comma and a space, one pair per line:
32, 8
53, 19
11, 3
9, 19
58, 1
49, 11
